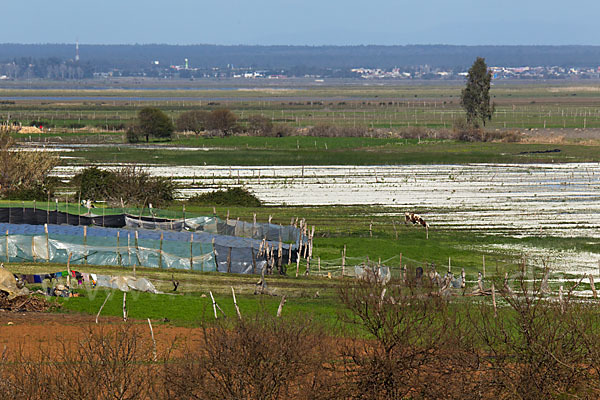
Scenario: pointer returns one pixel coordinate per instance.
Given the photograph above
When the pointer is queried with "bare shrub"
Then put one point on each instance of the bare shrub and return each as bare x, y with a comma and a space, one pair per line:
260, 358
103, 365
511, 136
325, 130
533, 347
192, 121
23, 172
466, 131
259, 125
418, 345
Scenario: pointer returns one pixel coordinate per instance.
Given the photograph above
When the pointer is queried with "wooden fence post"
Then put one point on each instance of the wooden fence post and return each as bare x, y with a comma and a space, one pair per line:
191, 252
7, 255
344, 261
215, 255
160, 252
229, 261
118, 250
85, 244
593, 286
125, 306
281, 303
494, 301
237, 309
47, 243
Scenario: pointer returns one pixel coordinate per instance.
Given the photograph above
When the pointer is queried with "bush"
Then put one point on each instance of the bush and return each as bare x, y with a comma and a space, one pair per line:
230, 197
37, 192
94, 183
131, 184
133, 135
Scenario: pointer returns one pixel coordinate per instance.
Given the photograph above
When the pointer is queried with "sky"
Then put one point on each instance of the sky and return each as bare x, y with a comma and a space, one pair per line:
302, 22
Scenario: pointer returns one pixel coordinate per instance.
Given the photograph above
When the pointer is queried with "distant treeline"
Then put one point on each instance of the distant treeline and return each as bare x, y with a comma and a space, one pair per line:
136, 57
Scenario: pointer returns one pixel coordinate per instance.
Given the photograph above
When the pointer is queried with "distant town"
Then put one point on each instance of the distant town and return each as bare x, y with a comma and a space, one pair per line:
72, 62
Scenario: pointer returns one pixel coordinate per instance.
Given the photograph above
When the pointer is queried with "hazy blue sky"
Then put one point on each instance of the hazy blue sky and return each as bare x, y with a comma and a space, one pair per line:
295, 22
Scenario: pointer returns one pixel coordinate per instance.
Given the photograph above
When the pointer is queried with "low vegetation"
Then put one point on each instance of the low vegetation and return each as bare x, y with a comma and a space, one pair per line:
401, 340
236, 196
129, 185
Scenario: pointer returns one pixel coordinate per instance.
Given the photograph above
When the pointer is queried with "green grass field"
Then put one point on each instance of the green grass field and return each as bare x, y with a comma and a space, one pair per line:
336, 151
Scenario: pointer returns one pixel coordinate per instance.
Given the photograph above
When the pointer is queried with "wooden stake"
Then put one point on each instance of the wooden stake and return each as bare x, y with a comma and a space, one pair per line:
344, 261
7, 255
237, 309
319, 263
215, 255
494, 301
160, 252
153, 341
119, 259
85, 244
298, 263
229, 261
47, 243
371, 229
102, 306
253, 260
125, 306
191, 252
281, 303
400, 263
593, 286
214, 304
137, 252
449, 265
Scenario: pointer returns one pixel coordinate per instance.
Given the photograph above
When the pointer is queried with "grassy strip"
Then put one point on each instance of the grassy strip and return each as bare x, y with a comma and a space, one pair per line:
396, 152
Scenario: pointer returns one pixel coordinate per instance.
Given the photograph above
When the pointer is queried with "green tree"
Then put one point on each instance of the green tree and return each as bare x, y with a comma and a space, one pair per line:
192, 121
475, 97
153, 122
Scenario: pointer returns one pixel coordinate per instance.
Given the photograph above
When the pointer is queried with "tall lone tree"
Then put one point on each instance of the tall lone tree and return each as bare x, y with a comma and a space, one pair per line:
475, 97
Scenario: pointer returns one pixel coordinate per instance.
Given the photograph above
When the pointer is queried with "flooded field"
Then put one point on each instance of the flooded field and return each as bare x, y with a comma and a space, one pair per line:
545, 199
516, 200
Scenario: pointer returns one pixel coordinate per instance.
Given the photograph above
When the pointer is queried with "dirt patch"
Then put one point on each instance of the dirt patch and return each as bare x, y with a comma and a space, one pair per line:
32, 331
